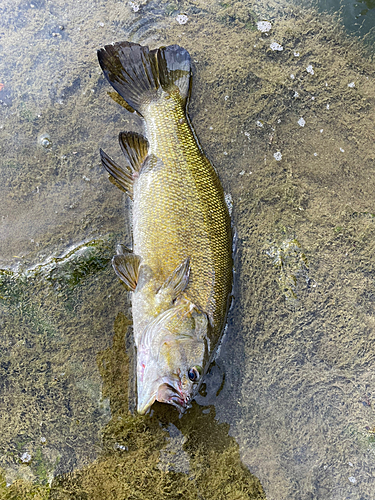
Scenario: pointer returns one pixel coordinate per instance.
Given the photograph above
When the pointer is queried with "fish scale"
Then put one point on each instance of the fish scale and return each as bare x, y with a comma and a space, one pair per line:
185, 202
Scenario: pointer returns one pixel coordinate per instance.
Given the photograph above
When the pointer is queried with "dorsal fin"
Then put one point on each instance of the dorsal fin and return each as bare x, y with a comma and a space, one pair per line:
135, 149
122, 176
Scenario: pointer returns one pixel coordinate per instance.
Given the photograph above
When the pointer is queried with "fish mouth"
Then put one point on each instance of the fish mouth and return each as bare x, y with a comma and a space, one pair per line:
170, 395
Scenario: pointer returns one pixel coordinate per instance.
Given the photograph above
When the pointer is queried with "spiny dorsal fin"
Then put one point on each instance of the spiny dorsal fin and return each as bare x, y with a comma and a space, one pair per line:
137, 72
127, 269
122, 176
178, 280
135, 149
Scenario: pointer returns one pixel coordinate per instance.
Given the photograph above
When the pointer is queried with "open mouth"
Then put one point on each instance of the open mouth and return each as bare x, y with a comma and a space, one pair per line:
169, 394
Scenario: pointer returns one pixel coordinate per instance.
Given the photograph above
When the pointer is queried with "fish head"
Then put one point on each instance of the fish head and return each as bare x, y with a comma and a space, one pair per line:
171, 364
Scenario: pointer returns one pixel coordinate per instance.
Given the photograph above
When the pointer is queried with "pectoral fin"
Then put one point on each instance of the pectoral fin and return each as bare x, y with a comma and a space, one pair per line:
201, 325
127, 269
178, 280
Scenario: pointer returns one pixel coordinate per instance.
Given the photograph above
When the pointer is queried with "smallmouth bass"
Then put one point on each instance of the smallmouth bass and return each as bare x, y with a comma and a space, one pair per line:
180, 267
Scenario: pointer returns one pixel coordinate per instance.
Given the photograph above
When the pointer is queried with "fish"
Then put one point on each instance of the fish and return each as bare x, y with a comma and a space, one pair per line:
180, 269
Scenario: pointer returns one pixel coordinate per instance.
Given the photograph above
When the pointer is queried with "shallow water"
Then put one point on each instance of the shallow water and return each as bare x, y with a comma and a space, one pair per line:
289, 404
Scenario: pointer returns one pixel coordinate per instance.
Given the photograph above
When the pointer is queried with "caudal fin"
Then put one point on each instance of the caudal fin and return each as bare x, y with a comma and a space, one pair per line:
138, 73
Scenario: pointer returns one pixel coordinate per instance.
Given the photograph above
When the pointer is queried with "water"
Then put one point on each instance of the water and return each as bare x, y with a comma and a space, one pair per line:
358, 17
289, 405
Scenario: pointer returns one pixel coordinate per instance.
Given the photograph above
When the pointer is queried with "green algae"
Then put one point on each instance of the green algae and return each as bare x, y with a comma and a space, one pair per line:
133, 445
21, 490
288, 257
48, 375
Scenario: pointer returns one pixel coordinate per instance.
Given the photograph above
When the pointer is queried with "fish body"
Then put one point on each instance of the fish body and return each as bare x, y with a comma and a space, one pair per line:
180, 266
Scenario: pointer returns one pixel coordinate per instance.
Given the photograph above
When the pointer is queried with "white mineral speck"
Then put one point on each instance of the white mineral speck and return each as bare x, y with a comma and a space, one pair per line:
313, 98
134, 6
292, 77
296, 54
276, 46
321, 130
225, 153
226, 97
182, 19
310, 70
229, 202
25, 457
315, 154
327, 106
259, 123
342, 150
211, 128
296, 94
350, 464
301, 122
352, 479
242, 172
277, 156
264, 26
351, 85
43, 439
121, 447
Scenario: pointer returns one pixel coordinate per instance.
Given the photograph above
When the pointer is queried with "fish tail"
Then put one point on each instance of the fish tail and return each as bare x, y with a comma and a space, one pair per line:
138, 74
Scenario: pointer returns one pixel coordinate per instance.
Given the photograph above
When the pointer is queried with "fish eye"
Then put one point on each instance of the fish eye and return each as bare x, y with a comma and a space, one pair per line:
194, 373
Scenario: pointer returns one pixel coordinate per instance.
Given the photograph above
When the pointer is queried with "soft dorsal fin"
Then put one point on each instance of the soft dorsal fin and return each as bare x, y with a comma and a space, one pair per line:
176, 283
137, 73
122, 176
135, 149
126, 267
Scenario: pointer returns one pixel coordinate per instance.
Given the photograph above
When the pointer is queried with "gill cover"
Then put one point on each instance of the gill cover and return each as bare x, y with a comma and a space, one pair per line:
173, 343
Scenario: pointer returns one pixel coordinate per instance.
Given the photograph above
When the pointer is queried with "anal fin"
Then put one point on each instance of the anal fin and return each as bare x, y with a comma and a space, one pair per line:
126, 267
135, 149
